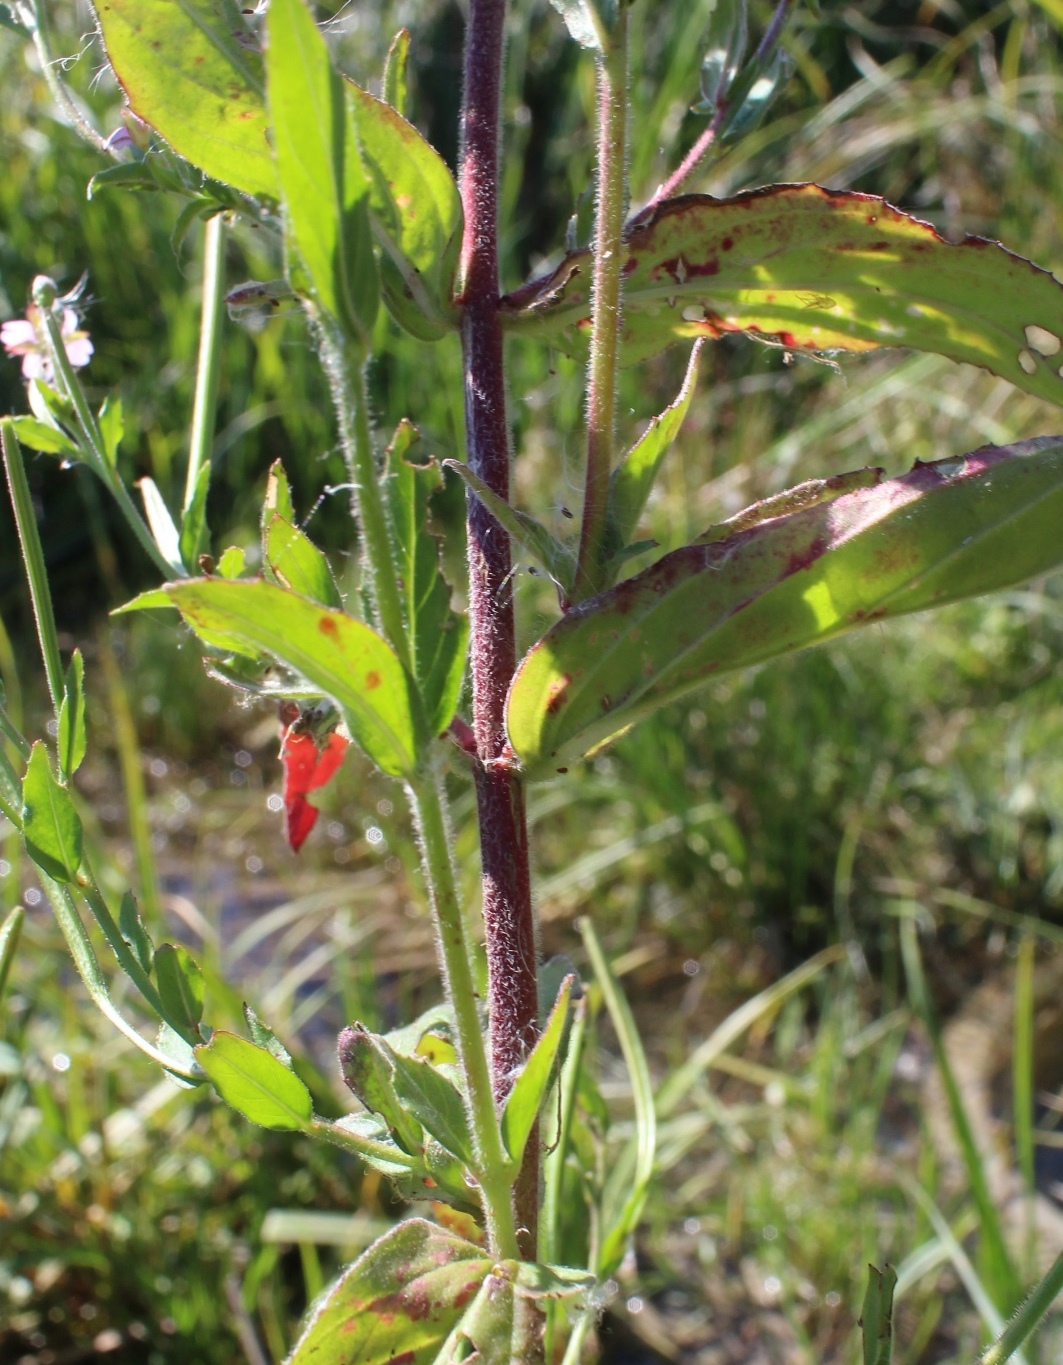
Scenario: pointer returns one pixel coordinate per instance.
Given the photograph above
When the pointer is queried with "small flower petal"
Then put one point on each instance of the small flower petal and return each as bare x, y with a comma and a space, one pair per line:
79, 351
18, 334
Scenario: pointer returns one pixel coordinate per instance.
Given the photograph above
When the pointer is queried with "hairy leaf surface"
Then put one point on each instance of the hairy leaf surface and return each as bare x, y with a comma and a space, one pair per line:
944, 531
811, 269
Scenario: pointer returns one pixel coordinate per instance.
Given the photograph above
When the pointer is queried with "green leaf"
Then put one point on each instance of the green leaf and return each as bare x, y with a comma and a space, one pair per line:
404, 1295
254, 1082
632, 480
231, 564
297, 563
185, 72
195, 536
417, 217
48, 439
72, 718
876, 1318
326, 192
135, 933
395, 66
10, 932
368, 1072
437, 635
10, 790
488, 1333
51, 828
181, 988
161, 524
145, 601
336, 654
126, 175
263, 1036
948, 530
278, 500
529, 1089
817, 270
434, 1101
557, 559
112, 425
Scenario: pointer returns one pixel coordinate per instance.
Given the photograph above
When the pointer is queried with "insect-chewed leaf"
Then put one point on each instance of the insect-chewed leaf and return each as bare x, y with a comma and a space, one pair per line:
185, 72
404, 1295
336, 654
326, 192
813, 269
417, 217
947, 530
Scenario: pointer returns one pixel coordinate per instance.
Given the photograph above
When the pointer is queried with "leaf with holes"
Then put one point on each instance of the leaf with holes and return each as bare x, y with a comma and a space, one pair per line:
948, 530
336, 654
401, 1297
186, 73
811, 269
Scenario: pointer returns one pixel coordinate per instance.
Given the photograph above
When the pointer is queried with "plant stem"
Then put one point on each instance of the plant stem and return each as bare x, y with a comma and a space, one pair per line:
33, 559
606, 305
92, 441
509, 922
1027, 1316
346, 375
428, 811
205, 405
43, 43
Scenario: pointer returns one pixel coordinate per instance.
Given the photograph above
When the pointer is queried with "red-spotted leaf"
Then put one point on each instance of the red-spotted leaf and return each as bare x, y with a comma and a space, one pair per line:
398, 1301
797, 571
341, 657
812, 269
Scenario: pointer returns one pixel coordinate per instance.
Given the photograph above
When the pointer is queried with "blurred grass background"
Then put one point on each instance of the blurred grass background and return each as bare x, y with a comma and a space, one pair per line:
912, 775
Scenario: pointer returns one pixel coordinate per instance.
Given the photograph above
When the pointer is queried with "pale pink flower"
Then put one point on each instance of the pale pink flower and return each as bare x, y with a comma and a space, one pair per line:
26, 337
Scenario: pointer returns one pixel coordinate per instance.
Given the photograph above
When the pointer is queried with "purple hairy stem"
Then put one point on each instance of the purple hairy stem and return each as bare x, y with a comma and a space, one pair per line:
507, 909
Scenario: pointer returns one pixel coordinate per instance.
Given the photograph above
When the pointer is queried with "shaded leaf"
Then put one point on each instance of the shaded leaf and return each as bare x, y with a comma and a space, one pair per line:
876, 1318
395, 71
10, 790
526, 1098
403, 1296
326, 193
181, 989
813, 269
437, 635
631, 482
434, 1101
948, 530
51, 828
417, 217
186, 74
135, 933
72, 741
368, 1073
298, 564
336, 654
10, 933
112, 424
254, 1082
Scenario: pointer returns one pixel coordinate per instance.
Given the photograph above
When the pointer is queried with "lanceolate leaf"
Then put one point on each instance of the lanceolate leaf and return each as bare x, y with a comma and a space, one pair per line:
402, 1297
417, 216
526, 1097
72, 739
811, 269
181, 988
297, 563
944, 531
337, 654
185, 72
437, 635
326, 193
50, 824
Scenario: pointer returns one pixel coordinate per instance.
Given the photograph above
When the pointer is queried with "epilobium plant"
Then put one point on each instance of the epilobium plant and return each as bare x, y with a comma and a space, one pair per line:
474, 1105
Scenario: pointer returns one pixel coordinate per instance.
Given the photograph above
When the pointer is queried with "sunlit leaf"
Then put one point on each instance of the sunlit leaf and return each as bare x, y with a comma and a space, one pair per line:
298, 564
403, 1296
112, 424
336, 654
195, 536
181, 988
526, 1097
263, 1036
581, 20
135, 933
488, 1332
10, 932
51, 828
812, 269
394, 84
161, 523
948, 530
254, 1082
417, 218
369, 1074
326, 193
186, 74
46, 437
72, 740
